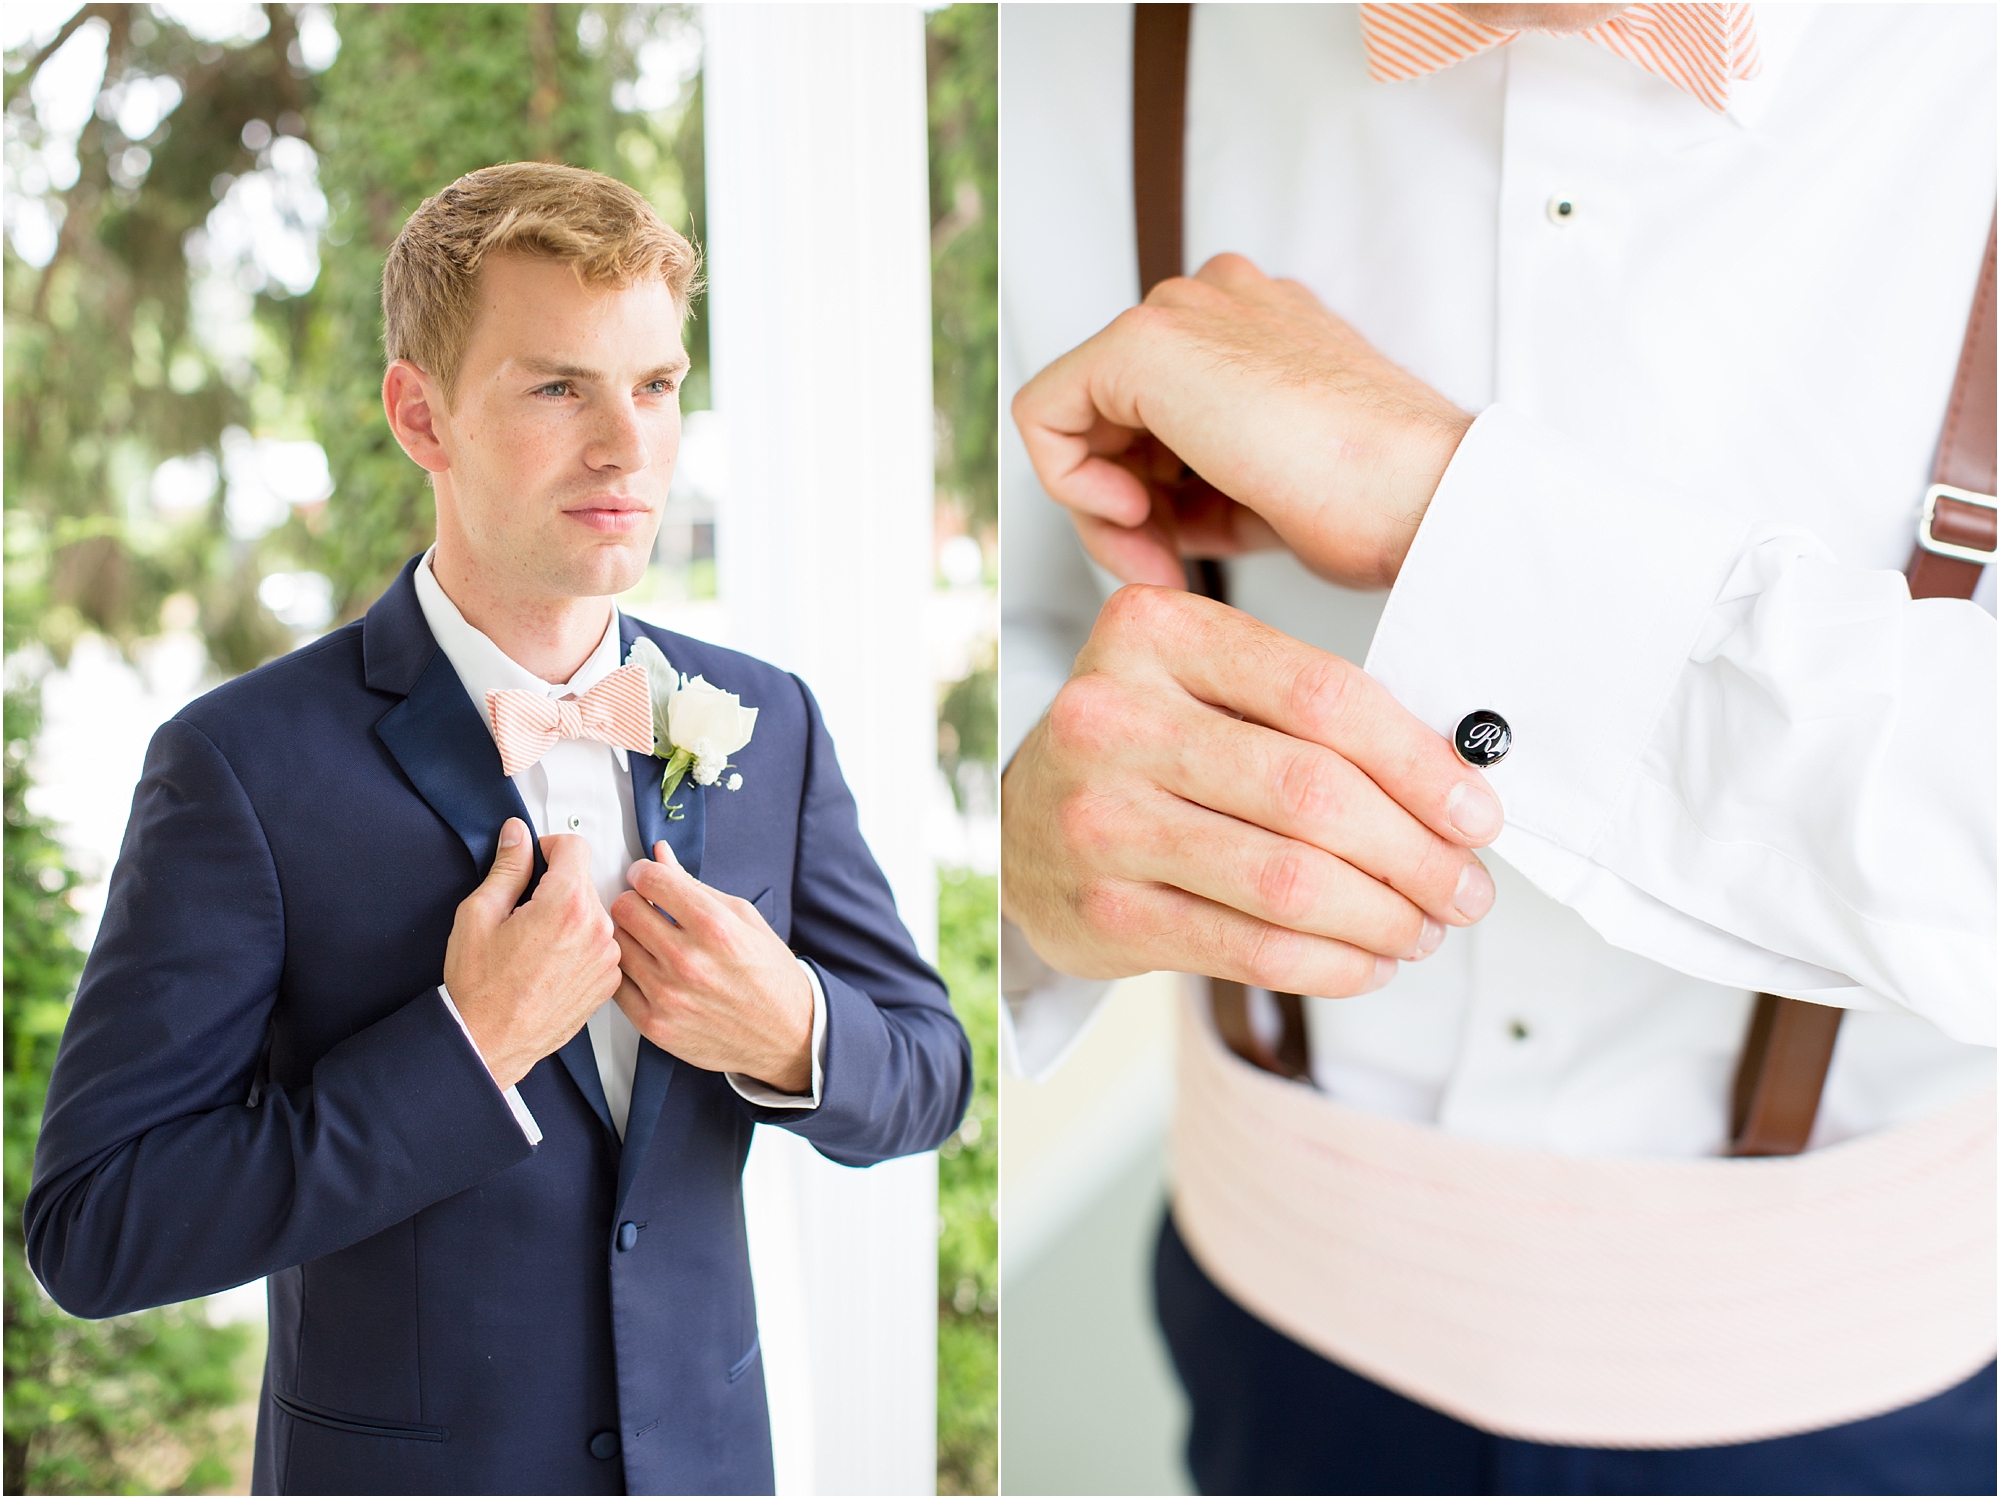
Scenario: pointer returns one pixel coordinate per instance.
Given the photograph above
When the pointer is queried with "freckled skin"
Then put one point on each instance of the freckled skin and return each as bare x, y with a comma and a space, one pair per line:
549, 484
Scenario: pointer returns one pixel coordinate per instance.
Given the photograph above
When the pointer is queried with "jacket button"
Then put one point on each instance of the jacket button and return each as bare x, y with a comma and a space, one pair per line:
1483, 738
628, 1235
604, 1445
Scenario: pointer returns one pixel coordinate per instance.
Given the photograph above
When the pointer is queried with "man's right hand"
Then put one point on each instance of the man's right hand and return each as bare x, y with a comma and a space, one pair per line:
1208, 795
526, 978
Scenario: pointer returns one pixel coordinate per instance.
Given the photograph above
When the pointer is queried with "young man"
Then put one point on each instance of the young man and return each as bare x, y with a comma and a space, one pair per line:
488, 1148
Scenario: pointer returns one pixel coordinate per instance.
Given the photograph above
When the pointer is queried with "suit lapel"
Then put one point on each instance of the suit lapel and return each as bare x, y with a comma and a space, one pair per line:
581, 1059
649, 1096
685, 835
444, 748
438, 738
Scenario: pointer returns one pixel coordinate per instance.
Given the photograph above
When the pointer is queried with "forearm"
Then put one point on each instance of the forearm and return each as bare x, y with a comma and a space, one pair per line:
397, 1117
897, 1069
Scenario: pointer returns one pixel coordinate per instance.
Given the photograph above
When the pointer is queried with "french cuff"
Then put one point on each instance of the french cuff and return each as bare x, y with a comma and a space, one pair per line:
750, 1089
519, 1107
1550, 585
1046, 1013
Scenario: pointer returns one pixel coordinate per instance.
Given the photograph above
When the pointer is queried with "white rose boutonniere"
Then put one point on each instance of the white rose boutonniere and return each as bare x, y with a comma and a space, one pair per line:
696, 725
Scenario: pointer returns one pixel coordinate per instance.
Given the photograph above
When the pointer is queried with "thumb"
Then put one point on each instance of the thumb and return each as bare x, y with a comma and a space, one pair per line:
513, 862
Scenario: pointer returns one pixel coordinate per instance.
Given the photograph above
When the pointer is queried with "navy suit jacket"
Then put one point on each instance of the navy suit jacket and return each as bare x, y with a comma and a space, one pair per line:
259, 1078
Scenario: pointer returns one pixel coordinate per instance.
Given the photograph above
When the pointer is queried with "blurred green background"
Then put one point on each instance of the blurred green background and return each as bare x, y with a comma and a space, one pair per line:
198, 202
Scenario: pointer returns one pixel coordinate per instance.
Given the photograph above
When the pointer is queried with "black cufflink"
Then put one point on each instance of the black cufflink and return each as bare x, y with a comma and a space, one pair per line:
1483, 738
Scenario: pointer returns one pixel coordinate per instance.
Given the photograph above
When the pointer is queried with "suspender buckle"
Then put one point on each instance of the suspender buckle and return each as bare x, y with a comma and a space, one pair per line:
1958, 523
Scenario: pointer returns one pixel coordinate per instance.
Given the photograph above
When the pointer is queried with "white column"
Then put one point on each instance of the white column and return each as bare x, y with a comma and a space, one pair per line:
819, 272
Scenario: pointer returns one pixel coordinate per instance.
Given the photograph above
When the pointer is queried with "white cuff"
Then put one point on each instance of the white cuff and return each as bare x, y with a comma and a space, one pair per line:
1551, 586
1046, 1013
513, 1095
760, 1093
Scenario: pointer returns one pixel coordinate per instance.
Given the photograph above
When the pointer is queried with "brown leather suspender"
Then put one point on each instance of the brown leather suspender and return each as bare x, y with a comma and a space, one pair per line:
1789, 1043
1159, 137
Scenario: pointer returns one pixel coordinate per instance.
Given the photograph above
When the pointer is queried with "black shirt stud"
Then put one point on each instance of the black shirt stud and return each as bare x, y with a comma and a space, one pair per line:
1483, 738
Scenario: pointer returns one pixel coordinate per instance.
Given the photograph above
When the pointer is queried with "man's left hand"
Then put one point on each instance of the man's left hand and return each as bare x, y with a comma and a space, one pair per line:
1229, 410
715, 986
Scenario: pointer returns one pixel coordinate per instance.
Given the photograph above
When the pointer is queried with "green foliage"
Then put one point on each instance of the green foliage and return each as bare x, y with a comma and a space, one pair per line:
108, 373
969, 731
124, 1406
111, 370
964, 70
962, 43
968, 1197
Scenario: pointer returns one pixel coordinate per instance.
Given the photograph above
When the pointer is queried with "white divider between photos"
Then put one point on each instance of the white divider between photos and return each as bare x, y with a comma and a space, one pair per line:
819, 272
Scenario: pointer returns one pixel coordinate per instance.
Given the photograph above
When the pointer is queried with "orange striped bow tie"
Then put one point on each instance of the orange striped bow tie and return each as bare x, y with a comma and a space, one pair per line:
1702, 49
618, 710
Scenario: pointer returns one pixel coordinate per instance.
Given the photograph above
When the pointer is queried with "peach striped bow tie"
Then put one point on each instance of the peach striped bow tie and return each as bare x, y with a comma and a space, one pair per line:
618, 710
1701, 49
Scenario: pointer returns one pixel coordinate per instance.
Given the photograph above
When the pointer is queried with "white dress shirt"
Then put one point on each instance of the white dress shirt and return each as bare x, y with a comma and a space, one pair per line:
1668, 551
584, 787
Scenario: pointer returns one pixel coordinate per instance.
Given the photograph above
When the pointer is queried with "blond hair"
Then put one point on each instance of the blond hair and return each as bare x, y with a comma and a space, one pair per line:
598, 226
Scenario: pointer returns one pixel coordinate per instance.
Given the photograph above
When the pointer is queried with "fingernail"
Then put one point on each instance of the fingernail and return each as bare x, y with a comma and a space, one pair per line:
1429, 939
1474, 811
663, 852
511, 833
1474, 896
1385, 969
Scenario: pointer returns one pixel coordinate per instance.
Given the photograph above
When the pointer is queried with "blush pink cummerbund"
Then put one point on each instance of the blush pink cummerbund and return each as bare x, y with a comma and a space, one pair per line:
1596, 1303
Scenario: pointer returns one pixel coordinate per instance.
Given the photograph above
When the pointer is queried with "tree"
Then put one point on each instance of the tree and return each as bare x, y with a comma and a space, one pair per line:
108, 373
969, 1198
115, 1407
964, 70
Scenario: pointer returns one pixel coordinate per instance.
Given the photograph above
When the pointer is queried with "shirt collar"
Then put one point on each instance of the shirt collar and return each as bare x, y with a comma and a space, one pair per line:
1779, 31
483, 667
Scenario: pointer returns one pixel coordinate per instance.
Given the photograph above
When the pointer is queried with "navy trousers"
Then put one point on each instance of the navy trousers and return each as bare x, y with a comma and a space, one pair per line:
1273, 1417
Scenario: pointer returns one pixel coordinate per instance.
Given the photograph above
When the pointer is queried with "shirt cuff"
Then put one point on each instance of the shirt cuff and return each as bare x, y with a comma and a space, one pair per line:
1046, 1013
1549, 585
522, 1116
750, 1089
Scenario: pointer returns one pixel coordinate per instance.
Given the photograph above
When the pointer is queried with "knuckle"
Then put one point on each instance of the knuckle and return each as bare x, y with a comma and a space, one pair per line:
1270, 957
1354, 972
1309, 790
1107, 908
1289, 884
1434, 874
1321, 693
1086, 713
1087, 825
1139, 612
1147, 320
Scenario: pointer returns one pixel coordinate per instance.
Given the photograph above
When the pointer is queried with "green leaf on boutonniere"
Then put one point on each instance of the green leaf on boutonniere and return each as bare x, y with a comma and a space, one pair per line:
677, 766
